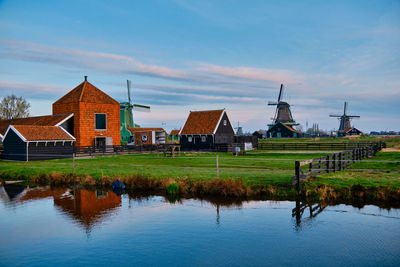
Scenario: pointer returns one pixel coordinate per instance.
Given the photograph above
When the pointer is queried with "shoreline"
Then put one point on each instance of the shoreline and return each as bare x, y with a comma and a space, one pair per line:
384, 196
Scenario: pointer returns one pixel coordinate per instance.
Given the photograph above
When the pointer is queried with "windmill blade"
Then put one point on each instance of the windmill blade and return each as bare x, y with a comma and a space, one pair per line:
335, 116
280, 93
353, 116
272, 103
139, 107
128, 84
345, 108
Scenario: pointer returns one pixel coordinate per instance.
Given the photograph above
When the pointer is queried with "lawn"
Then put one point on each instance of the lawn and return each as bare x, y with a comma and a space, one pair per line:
381, 170
391, 141
253, 168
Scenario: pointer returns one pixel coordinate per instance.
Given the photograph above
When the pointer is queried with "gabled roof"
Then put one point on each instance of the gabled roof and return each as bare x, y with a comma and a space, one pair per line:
139, 129
174, 132
40, 133
48, 120
202, 122
349, 129
86, 92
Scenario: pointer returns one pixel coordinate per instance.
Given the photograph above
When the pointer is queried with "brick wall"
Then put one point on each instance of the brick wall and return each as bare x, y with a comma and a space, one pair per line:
84, 121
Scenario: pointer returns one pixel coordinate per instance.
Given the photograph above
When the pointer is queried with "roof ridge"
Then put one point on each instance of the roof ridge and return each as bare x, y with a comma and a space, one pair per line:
208, 110
83, 89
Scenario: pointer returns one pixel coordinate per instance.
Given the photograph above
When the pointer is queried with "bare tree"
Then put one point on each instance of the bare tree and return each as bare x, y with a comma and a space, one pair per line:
12, 107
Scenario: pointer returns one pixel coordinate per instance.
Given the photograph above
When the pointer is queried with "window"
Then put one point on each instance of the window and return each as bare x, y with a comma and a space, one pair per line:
101, 121
189, 139
225, 122
203, 139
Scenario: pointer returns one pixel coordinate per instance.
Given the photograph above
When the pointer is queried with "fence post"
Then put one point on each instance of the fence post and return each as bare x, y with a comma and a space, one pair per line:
333, 162
327, 164
217, 167
340, 161
353, 153
297, 172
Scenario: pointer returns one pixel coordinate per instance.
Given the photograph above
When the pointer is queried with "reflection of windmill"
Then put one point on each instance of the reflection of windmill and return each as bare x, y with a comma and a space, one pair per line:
282, 113
344, 119
127, 108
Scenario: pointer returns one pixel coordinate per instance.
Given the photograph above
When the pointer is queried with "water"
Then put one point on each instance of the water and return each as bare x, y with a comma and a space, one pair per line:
65, 227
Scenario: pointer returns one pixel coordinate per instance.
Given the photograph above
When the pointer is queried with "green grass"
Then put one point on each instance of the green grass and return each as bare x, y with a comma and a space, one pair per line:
254, 168
360, 173
391, 141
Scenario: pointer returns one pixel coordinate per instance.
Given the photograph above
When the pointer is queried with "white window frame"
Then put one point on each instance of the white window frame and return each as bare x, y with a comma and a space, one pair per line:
203, 138
190, 139
95, 122
225, 122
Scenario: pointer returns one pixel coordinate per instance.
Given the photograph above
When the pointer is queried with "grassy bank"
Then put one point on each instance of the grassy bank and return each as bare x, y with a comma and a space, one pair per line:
194, 174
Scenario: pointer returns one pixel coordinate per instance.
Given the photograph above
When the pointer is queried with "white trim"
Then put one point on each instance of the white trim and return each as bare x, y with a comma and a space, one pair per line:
27, 149
95, 122
15, 131
184, 124
233, 129
67, 132
1, 137
219, 121
64, 120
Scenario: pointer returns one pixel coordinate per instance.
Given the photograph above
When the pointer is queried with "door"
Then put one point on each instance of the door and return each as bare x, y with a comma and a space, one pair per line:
100, 143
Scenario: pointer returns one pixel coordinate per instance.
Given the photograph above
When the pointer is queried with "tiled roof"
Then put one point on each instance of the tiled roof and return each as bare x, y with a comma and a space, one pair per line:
48, 120
202, 122
139, 129
174, 132
42, 133
347, 130
86, 92
290, 128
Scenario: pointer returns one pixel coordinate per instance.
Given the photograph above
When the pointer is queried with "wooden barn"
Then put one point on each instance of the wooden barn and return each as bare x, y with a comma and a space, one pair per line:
32, 142
281, 129
206, 129
350, 131
64, 120
147, 136
96, 115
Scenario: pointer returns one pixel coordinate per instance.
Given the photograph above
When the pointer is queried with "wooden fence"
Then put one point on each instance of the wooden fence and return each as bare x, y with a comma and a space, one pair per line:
333, 162
81, 151
314, 146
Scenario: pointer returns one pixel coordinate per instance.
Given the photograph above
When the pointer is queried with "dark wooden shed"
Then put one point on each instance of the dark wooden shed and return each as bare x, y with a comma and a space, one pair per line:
32, 142
206, 129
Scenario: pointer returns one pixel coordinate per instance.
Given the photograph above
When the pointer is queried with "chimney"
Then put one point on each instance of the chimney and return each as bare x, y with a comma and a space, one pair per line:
85, 78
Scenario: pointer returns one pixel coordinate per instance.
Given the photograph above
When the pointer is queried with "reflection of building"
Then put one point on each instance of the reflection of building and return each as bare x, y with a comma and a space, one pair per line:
86, 207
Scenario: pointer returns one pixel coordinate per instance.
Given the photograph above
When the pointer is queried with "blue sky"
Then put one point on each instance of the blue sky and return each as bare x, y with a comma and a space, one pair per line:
195, 55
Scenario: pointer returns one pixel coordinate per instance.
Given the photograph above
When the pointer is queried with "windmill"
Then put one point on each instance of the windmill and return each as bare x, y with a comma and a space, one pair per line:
282, 113
127, 108
126, 114
344, 119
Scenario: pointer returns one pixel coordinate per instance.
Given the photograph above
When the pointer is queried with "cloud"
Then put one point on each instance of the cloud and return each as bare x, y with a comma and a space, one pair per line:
249, 73
32, 90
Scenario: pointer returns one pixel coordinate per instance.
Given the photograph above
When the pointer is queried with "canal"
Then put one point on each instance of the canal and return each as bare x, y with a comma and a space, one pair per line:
61, 226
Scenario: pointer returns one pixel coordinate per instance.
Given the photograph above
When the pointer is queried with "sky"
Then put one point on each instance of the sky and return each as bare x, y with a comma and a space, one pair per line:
183, 56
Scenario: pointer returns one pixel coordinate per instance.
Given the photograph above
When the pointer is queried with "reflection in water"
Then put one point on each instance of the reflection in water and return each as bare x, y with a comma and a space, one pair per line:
302, 209
10, 192
86, 207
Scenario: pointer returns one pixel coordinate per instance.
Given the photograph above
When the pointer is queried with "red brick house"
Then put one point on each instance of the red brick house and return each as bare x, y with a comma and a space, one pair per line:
96, 115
